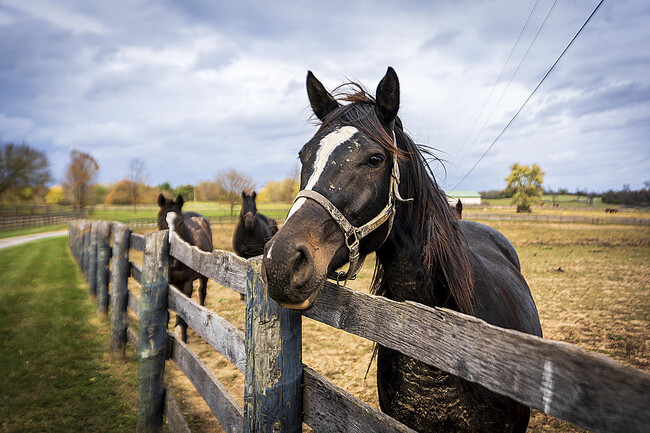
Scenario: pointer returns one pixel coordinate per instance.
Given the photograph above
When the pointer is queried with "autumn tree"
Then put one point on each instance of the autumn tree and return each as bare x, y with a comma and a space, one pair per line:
208, 191
79, 179
120, 193
136, 178
281, 191
55, 195
22, 168
526, 185
232, 183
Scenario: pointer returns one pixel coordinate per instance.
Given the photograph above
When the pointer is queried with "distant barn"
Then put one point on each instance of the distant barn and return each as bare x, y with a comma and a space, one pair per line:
466, 197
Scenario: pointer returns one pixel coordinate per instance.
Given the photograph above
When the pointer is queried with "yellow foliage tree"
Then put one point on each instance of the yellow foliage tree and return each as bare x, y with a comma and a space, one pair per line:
55, 195
526, 184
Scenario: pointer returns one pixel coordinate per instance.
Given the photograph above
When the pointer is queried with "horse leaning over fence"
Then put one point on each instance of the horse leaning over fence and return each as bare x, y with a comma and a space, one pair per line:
365, 186
194, 229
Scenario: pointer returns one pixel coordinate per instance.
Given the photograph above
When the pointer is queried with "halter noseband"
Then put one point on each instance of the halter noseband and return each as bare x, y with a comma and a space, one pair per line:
353, 235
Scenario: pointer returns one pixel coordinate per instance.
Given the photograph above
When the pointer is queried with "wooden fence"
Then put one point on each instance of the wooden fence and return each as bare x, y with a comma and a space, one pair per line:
587, 389
18, 217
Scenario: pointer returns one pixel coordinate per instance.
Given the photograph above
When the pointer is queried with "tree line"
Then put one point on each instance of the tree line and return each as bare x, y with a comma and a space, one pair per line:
25, 173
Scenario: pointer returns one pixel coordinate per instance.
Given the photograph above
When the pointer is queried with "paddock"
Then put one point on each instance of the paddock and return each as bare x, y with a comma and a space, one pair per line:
353, 311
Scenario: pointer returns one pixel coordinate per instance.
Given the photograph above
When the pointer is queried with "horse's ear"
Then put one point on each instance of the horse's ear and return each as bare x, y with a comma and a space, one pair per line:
161, 200
179, 200
321, 101
253, 195
243, 194
387, 97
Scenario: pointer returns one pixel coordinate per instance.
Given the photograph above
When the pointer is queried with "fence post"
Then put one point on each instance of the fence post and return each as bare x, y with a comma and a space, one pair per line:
85, 248
92, 259
103, 258
119, 292
153, 331
272, 390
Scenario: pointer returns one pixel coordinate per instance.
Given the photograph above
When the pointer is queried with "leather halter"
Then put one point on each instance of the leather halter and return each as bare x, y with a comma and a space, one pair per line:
353, 235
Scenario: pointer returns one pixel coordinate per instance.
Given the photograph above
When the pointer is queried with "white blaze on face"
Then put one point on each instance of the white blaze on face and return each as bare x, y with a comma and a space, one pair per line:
171, 222
327, 146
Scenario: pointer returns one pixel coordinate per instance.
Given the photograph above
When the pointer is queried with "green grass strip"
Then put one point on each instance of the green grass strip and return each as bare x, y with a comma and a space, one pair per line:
55, 373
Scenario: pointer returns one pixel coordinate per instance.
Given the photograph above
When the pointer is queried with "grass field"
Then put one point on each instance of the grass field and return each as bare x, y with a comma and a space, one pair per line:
56, 375
590, 284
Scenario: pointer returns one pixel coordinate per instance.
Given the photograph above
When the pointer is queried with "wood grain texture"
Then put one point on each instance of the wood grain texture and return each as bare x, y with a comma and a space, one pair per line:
216, 331
272, 389
92, 259
153, 332
103, 258
136, 242
223, 267
328, 408
221, 403
175, 420
119, 289
133, 302
135, 272
567, 382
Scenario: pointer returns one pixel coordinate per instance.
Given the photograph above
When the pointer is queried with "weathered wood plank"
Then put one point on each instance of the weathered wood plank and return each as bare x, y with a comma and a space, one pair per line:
175, 420
219, 333
103, 259
133, 339
133, 302
221, 403
136, 242
120, 292
328, 408
272, 390
567, 382
223, 267
92, 258
153, 332
135, 272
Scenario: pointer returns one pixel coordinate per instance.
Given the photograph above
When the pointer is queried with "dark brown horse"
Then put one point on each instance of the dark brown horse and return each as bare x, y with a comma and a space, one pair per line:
194, 229
365, 186
253, 229
458, 209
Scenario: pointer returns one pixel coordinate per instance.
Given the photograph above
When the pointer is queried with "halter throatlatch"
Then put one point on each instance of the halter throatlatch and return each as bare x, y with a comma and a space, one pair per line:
353, 235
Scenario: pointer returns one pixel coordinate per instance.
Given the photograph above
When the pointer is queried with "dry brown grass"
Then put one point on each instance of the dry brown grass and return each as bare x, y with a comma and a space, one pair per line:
590, 284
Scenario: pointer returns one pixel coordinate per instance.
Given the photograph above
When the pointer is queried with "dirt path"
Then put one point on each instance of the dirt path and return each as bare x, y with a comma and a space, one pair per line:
17, 240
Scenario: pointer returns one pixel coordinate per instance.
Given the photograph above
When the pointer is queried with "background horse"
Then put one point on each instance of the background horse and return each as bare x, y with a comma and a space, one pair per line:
194, 229
458, 209
356, 171
253, 229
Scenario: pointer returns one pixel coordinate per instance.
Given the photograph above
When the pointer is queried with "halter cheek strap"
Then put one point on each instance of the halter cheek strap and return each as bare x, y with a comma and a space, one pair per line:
353, 235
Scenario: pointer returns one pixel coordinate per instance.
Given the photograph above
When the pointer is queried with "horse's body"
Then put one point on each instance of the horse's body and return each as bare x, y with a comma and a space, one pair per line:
424, 253
194, 229
253, 229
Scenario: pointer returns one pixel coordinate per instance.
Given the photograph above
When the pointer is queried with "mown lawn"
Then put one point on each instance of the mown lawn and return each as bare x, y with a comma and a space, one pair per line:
55, 375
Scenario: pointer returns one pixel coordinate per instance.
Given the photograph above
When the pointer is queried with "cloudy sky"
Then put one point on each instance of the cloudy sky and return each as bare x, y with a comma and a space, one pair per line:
194, 88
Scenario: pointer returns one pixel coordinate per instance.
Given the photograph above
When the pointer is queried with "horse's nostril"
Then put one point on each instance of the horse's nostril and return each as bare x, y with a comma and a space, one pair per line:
302, 269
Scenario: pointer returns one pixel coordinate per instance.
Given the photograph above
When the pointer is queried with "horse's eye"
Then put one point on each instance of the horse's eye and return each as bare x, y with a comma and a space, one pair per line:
375, 160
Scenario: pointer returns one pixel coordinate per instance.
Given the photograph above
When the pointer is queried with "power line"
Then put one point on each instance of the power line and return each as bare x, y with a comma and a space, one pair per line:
498, 78
505, 89
532, 93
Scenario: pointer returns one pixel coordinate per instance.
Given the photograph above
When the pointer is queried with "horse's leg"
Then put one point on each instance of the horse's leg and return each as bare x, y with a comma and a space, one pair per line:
203, 287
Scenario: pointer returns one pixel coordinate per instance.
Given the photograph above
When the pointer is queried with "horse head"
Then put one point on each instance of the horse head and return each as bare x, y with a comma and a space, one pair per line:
170, 214
349, 186
248, 210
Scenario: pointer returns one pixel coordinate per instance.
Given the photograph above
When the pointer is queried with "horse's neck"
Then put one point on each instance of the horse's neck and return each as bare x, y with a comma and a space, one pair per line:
405, 277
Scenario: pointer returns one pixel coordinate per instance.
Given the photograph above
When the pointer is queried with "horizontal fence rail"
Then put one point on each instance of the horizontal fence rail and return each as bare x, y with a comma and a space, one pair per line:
587, 389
